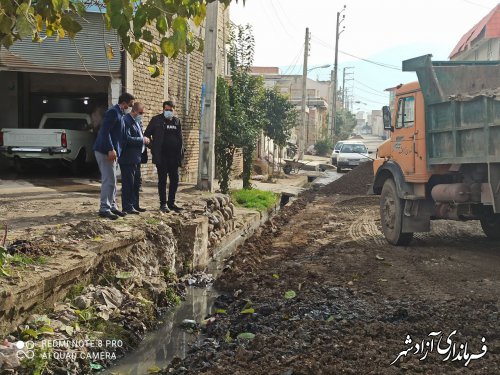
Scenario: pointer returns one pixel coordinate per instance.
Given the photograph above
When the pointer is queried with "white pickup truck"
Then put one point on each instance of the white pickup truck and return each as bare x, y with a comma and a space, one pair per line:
64, 137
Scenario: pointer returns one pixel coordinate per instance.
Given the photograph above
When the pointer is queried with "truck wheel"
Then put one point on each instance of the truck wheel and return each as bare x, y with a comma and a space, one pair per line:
391, 215
339, 169
78, 165
491, 226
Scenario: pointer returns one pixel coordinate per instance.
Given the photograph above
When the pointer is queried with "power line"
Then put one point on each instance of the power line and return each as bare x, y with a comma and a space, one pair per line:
294, 61
362, 84
371, 93
476, 4
279, 20
384, 65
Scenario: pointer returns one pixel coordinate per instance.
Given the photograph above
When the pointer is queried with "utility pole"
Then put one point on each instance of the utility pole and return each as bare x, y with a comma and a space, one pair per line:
334, 78
343, 84
206, 160
302, 143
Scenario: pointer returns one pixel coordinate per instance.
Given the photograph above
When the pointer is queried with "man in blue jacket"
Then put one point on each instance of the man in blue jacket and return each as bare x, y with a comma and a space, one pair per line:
130, 159
107, 148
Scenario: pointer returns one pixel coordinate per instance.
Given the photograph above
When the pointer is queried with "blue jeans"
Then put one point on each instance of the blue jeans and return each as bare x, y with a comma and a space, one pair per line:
108, 182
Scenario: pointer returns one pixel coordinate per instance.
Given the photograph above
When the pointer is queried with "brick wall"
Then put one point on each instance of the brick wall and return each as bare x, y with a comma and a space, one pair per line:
151, 91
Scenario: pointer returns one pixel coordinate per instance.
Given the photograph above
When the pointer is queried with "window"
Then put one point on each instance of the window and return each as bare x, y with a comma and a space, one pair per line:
406, 112
66, 123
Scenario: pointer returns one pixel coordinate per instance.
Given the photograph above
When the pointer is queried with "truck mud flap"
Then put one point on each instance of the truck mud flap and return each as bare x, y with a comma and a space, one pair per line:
417, 216
494, 178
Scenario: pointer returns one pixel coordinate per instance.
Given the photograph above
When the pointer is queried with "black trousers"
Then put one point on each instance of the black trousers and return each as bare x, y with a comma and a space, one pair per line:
130, 189
171, 169
137, 185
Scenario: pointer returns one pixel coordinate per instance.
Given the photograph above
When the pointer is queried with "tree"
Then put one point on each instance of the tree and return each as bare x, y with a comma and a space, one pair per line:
133, 20
239, 119
345, 122
280, 117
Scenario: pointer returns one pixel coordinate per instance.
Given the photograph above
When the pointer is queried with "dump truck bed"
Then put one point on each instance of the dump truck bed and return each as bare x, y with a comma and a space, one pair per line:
462, 100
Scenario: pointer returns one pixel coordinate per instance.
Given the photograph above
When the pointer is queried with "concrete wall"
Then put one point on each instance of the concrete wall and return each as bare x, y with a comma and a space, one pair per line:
482, 50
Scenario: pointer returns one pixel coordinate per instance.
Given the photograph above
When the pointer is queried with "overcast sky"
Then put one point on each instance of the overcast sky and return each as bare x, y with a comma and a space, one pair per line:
384, 31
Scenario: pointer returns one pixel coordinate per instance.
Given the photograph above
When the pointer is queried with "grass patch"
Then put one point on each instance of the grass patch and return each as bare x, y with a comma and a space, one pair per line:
254, 198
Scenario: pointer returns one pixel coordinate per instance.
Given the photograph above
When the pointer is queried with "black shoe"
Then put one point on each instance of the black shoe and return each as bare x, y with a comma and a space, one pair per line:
164, 208
108, 215
119, 213
132, 211
140, 209
174, 207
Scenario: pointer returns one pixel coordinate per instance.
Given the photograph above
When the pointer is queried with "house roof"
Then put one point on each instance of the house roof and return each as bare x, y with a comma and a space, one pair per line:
265, 70
488, 27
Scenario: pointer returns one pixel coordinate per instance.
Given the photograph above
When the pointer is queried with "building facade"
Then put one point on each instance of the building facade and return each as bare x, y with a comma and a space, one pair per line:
481, 42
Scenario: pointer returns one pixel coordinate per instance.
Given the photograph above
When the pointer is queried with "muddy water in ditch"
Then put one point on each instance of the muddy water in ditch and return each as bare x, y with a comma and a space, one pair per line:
170, 340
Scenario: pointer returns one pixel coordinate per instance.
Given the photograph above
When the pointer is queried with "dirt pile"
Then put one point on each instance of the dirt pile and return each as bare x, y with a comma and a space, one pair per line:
354, 182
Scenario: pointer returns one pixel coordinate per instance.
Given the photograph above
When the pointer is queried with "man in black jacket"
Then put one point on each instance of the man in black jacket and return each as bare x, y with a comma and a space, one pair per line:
165, 132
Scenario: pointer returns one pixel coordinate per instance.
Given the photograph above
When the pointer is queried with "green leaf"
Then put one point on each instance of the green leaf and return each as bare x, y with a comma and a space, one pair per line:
23, 26
116, 20
220, 311
135, 49
276, 276
290, 294
122, 274
180, 24
47, 330
167, 47
153, 59
95, 366
57, 5
29, 333
200, 15
161, 25
246, 336
69, 330
154, 70
70, 25
5, 24
248, 311
147, 36
154, 370
201, 44
80, 8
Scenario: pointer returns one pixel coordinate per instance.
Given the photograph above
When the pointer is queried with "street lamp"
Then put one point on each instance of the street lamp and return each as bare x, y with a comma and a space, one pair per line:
319, 67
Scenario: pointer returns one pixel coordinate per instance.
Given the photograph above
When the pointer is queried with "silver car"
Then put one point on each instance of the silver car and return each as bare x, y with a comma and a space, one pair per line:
351, 155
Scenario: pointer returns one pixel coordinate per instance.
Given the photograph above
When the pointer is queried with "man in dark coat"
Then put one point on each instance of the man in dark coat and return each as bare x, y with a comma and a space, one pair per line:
130, 159
107, 149
165, 132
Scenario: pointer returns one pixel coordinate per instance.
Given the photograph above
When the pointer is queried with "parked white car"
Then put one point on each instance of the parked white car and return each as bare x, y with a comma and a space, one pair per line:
351, 154
336, 151
63, 137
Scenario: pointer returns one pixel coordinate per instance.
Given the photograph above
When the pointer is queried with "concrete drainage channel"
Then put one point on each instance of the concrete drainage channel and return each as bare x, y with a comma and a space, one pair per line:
172, 340
121, 273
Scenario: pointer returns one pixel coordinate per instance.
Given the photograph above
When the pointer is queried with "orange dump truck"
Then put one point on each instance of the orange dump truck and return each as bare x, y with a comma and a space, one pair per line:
442, 160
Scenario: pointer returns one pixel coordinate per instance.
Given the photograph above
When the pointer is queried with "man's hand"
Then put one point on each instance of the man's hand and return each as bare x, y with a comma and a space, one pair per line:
112, 155
147, 141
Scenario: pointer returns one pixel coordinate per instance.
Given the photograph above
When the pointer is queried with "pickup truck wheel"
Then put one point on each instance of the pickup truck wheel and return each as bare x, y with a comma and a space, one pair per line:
491, 226
78, 165
391, 215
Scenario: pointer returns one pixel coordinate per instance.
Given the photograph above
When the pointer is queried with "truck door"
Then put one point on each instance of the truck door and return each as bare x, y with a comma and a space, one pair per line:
404, 135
